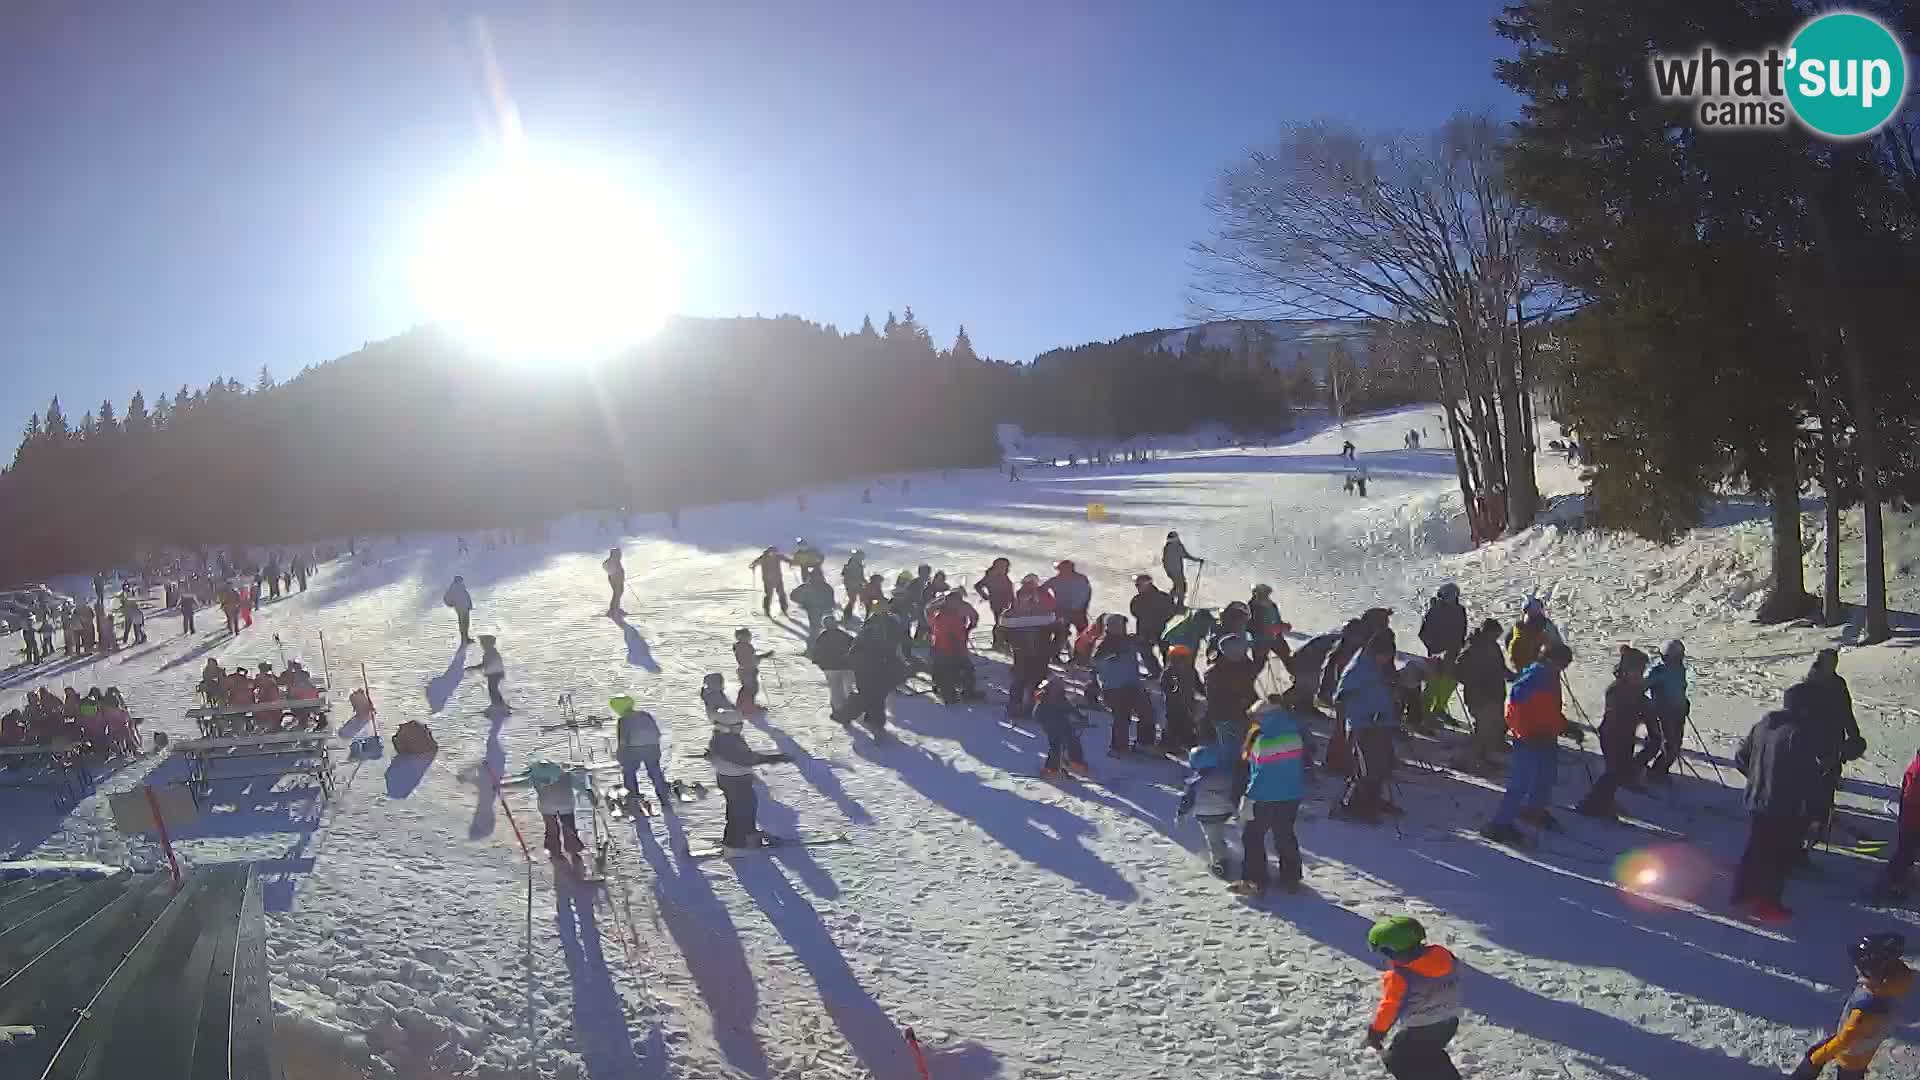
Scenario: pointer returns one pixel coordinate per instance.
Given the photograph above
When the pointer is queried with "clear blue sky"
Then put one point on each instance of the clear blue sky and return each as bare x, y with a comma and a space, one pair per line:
185, 195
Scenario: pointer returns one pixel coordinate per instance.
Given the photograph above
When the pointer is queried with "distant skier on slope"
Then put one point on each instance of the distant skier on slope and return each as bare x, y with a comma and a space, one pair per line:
461, 601
853, 578
1174, 558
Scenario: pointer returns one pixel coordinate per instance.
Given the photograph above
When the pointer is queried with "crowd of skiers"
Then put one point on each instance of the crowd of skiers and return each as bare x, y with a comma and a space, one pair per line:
97, 721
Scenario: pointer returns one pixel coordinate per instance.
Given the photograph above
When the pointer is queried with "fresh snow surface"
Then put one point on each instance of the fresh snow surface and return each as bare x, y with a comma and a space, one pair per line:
1024, 929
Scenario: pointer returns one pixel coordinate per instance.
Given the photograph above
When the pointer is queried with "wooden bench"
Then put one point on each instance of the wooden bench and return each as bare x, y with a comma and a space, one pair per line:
294, 751
220, 720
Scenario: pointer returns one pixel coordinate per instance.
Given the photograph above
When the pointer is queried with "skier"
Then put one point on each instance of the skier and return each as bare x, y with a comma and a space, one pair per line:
1152, 610
1626, 710
747, 663
273, 577
1264, 624
1346, 450
1781, 759
772, 582
832, 652
637, 734
910, 596
1868, 1017
1174, 558
1907, 846
951, 621
46, 633
302, 568
873, 596
1029, 625
1180, 686
995, 587
1535, 718
1234, 620
1830, 711
1483, 675
1363, 707
1191, 630
1443, 631
554, 785
1116, 662
1532, 635
1212, 795
493, 667
713, 696
186, 605
32, 643
815, 598
806, 557
1667, 695
1055, 715
616, 579
877, 671
461, 601
136, 619
853, 578
733, 765
1229, 691
1275, 754
1420, 994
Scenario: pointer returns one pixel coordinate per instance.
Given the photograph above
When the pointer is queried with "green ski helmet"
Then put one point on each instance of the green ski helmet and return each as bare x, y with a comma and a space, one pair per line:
1396, 936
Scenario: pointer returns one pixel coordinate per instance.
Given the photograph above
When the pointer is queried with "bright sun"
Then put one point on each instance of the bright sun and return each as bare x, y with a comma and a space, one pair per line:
541, 263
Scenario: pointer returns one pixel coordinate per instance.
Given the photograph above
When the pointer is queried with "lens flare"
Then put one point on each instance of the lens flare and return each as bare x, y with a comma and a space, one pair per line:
1663, 871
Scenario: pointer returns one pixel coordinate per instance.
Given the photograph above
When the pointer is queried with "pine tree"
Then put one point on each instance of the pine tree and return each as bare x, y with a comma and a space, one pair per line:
962, 352
108, 420
264, 381
137, 418
182, 401
87, 425
162, 413
866, 328
892, 329
56, 421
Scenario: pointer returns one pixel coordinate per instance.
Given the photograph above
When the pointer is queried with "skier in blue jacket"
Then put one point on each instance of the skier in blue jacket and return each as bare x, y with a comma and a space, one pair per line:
1667, 690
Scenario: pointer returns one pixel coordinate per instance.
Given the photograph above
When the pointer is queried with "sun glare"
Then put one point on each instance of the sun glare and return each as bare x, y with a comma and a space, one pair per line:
540, 263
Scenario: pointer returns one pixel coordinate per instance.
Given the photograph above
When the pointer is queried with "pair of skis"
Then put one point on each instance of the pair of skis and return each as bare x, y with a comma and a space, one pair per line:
769, 842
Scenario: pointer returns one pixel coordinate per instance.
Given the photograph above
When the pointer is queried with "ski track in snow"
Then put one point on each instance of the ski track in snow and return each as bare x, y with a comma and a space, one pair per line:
1025, 929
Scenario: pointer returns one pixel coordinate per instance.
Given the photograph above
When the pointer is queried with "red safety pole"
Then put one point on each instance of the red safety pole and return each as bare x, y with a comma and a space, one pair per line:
373, 714
166, 842
517, 835
919, 1059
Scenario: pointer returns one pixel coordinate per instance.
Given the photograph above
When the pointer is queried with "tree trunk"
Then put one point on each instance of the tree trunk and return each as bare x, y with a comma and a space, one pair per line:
1866, 430
1831, 611
1787, 599
1523, 488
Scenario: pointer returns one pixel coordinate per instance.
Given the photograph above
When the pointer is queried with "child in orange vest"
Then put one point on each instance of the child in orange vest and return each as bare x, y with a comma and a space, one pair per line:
1420, 995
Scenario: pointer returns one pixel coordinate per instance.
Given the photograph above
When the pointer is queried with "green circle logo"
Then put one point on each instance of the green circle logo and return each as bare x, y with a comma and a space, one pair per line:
1846, 75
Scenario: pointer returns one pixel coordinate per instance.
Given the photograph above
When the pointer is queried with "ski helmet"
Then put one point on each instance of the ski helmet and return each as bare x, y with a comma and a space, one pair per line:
1875, 953
1674, 650
1171, 535
1449, 591
742, 634
1263, 590
621, 704
1396, 936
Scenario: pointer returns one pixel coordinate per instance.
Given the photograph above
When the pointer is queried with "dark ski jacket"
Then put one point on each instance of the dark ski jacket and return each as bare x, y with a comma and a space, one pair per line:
458, 598
1483, 671
876, 651
1830, 711
996, 590
1444, 629
1151, 612
832, 650
814, 595
854, 576
1626, 709
1174, 559
1781, 759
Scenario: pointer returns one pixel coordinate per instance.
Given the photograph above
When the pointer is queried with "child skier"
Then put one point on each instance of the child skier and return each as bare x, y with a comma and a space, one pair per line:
733, 765
1667, 692
1626, 710
748, 663
713, 695
637, 734
554, 786
1420, 994
1868, 1017
1276, 781
1180, 684
1213, 796
1055, 715
493, 667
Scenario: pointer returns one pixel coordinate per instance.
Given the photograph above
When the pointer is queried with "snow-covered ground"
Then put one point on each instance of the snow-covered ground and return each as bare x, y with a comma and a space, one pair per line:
1025, 930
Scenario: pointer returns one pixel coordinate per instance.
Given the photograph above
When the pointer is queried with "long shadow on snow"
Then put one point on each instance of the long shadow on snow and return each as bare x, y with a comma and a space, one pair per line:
482, 775
599, 1022
1479, 882
405, 771
1046, 835
816, 771
703, 931
1598, 1035
639, 654
441, 687
861, 1020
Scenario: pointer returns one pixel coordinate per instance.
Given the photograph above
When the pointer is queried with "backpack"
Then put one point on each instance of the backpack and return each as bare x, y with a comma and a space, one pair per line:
414, 737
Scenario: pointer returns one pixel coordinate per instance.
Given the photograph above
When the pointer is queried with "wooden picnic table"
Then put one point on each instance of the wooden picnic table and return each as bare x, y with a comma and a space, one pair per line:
61, 760
216, 720
307, 752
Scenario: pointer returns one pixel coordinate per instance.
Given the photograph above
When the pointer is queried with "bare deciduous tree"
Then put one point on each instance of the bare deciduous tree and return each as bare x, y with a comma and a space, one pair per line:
1412, 230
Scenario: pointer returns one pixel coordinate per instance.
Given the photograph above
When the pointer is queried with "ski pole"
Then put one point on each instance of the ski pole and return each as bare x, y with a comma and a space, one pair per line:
1702, 743
1197, 574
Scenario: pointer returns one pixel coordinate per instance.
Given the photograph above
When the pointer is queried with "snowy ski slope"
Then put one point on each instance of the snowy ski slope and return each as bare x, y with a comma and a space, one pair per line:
1024, 929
